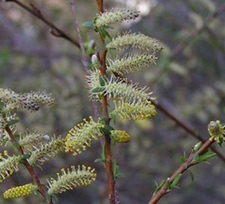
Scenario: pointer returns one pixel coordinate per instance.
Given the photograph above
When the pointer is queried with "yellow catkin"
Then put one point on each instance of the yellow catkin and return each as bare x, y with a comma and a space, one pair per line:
216, 131
19, 191
120, 136
115, 15
71, 178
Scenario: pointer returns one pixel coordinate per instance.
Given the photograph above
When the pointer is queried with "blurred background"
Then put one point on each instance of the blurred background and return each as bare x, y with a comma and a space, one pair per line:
188, 80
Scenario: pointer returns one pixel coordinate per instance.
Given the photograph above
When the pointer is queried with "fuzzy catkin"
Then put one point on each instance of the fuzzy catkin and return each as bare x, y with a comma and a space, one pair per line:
115, 15
70, 179
19, 191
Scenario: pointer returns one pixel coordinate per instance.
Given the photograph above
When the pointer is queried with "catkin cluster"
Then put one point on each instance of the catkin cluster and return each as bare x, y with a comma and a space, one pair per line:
130, 102
38, 148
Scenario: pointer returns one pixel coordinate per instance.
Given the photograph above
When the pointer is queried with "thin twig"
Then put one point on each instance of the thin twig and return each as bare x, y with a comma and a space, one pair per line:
84, 57
28, 166
183, 167
37, 13
184, 127
178, 49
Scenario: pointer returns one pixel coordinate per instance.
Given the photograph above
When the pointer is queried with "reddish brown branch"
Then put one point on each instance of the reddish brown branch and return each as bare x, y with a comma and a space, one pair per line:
108, 164
189, 162
100, 6
179, 48
185, 127
28, 166
108, 150
37, 13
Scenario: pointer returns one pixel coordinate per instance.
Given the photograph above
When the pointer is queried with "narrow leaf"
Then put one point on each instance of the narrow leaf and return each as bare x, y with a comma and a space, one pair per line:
204, 157
98, 90
183, 158
115, 168
175, 181
159, 186
12, 122
120, 176
88, 24
101, 81
98, 160
191, 175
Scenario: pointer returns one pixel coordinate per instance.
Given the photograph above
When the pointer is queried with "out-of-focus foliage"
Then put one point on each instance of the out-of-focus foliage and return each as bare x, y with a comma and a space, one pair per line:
191, 86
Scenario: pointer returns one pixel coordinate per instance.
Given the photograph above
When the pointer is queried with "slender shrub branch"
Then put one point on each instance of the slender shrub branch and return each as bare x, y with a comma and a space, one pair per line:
55, 31
29, 168
181, 124
190, 161
108, 150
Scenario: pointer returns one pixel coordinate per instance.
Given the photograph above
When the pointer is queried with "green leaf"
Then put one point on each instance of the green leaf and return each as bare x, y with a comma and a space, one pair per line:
48, 198
115, 169
204, 157
88, 24
120, 176
98, 90
54, 198
12, 122
191, 175
159, 186
197, 146
51, 197
101, 81
183, 158
103, 155
25, 156
108, 129
175, 181
98, 160
108, 36
102, 31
